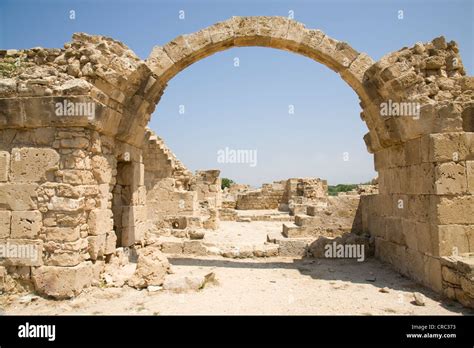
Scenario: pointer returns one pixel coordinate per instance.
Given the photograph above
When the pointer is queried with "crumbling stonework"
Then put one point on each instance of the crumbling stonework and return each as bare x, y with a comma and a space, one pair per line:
73, 128
268, 197
457, 274
281, 195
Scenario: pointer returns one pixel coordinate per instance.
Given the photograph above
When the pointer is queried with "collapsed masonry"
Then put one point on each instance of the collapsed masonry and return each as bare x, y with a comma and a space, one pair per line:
72, 153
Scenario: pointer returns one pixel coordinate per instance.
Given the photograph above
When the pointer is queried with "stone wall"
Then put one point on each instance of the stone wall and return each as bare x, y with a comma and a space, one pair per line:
282, 194
73, 124
458, 278
207, 184
268, 197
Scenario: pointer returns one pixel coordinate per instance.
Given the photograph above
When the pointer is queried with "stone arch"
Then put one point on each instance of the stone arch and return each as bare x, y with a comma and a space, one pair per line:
166, 61
425, 165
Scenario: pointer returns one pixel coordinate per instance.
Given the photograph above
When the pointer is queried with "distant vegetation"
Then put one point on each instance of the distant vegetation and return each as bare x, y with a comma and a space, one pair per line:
226, 182
334, 190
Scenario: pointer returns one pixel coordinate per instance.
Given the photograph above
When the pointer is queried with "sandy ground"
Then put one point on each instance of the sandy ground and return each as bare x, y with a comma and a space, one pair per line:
255, 286
239, 233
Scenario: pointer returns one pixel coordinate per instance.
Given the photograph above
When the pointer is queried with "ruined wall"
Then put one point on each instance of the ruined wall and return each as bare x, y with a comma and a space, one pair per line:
307, 188
268, 197
280, 194
59, 163
425, 163
207, 184
161, 163
425, 205
457, 272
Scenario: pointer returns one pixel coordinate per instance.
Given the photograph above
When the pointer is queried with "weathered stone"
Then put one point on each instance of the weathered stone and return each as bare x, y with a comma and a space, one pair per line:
152, 267
25, 224
292, 247
62, 282
194, 247
18, 196
5, 223
4, 165
97, 246
100, 221
21, 252
33, 164
61, 234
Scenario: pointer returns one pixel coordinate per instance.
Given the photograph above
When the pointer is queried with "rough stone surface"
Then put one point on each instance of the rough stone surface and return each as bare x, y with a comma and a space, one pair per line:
152, 267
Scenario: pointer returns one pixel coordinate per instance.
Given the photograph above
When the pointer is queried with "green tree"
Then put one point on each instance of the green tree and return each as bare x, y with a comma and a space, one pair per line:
226, 182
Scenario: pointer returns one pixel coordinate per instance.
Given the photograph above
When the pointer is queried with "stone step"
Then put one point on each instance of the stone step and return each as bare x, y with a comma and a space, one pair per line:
273, 237
315, 210
176, 246
307, 220
290, 229
294, 247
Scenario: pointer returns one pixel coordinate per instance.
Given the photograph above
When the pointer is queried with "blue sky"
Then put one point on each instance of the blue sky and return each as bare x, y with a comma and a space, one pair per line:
246, 107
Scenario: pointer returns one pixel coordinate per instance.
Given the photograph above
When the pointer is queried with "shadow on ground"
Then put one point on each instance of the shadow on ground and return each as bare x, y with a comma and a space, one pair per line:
371, 271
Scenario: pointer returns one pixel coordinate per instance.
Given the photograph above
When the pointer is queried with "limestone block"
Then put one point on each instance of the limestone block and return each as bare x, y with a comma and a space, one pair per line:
447, 147
139, 196
453, 239
413, 152
432, 273
198, 40
21, 252
66, 204
77, 176
102, 169
244, 26
60, 234
152, 267
450, 276
178, 49
395, 230
5, 219
410, 233
292, 247
65, 258
424, 239
296, 32
62, 282
221, 32
357, 69
134, 215
100, 221
266, 250
25, 224
33, 164
110, 243
159, 61
172, 247
129, 236
194, 247
18, 196
446, 210
450, 178
274, 27
470, 176
467, 284
4, 165
419, 208
96, 246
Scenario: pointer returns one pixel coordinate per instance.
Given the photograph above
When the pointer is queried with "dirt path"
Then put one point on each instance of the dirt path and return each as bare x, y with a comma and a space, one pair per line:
257, 286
